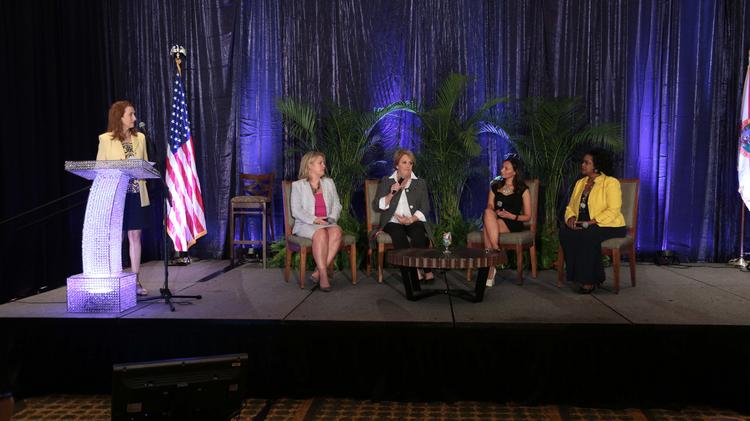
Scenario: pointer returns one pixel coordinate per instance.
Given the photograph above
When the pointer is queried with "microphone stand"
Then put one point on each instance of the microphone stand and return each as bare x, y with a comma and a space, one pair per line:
164, 292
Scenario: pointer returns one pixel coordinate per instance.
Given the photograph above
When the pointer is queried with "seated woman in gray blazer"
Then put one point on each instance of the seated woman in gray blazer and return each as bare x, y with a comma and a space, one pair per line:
402, 199
316, 208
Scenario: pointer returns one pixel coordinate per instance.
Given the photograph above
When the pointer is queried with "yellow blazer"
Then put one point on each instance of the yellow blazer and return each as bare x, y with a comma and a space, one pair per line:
605, 201
110, 149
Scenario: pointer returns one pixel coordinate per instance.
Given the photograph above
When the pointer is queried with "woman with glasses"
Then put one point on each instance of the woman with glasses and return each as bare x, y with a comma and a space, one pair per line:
508, 206
592, 216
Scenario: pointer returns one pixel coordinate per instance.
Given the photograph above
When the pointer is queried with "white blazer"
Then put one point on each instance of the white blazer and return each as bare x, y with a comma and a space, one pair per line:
303, 206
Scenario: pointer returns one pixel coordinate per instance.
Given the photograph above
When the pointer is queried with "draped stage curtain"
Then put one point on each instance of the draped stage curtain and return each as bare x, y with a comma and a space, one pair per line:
669, 72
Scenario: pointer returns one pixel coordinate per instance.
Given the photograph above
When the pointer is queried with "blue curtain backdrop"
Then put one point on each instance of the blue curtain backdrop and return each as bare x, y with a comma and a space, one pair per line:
668, 71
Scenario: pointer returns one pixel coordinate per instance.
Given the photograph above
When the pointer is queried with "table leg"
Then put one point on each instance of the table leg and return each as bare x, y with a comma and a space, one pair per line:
480, 284
411, 282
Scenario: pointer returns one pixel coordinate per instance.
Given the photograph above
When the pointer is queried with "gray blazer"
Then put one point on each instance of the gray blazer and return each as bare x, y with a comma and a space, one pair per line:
416, 194
303, 206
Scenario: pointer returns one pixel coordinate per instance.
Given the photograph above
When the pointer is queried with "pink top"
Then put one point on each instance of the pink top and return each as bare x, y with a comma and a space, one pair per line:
320, 205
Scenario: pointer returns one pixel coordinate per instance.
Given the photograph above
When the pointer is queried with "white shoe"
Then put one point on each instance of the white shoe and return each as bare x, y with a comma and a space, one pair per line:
491, 277
140, 290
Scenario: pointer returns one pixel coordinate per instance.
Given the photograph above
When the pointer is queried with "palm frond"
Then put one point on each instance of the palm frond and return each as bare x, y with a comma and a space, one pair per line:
301, 122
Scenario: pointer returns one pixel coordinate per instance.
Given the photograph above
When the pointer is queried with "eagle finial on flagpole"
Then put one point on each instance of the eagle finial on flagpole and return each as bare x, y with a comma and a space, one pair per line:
178, 52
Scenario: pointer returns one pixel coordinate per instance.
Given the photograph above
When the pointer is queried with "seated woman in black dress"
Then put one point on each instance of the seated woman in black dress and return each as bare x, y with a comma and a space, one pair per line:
592, 216
508, 206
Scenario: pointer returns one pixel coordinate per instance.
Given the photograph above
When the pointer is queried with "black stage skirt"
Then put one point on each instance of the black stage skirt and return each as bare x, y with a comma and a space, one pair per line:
136, 216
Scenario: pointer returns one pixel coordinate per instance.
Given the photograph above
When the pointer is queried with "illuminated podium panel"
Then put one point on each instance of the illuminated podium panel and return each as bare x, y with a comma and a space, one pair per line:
103, 287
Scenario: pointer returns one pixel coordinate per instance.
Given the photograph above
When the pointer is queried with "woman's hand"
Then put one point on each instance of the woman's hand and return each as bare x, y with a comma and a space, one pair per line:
571, 223
406, 220
321, 221
395, 187
505, 214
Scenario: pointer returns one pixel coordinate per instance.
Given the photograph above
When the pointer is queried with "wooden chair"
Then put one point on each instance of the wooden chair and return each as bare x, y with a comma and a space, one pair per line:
382, 241
304, 245
615, 247
518, 241
256, 200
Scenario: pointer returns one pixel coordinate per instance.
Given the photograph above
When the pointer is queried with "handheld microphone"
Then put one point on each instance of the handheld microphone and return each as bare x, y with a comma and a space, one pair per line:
400, 180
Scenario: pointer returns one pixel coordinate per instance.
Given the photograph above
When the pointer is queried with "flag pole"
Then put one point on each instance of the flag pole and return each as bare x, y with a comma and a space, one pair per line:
740, 261
178, 52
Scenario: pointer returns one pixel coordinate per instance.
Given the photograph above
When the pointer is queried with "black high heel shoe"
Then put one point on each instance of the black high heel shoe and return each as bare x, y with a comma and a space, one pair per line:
313, 279
583, 290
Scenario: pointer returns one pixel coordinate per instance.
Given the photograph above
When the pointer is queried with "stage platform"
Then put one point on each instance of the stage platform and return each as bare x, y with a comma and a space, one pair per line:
681, 336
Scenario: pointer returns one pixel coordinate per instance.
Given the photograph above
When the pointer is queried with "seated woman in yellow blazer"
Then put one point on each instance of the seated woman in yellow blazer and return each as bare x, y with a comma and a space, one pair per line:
123, 141
592, 216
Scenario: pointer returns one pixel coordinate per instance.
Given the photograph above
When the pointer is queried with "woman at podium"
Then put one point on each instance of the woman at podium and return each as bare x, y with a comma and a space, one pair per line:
123, 141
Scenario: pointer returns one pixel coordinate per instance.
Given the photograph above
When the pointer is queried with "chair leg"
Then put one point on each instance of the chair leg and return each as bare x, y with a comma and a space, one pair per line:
369, 262
381, 252
632, 264
270, 221
560, 266
302, 264
468, 275
231, 238
288, 265
616, 268
532, 254
353, 262
519, 263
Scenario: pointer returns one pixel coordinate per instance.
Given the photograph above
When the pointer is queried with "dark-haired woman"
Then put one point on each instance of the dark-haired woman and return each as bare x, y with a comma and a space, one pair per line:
123, 141
592, 216
508, 206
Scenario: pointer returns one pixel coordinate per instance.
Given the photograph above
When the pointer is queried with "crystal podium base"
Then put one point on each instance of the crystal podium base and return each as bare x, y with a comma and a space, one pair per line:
103, 286
101, 294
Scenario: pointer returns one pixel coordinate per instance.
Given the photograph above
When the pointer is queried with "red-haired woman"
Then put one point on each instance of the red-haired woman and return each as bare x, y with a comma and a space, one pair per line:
123, 141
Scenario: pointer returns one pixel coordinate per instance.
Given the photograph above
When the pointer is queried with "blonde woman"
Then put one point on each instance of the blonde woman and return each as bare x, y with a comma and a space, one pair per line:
123, 141
316, 208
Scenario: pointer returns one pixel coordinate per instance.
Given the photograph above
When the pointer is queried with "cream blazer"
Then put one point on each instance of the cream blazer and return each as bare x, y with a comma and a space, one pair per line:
110, 149
303, 206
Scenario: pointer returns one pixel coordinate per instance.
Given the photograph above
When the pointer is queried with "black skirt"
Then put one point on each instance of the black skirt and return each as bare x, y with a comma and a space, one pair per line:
582, 250
135, 216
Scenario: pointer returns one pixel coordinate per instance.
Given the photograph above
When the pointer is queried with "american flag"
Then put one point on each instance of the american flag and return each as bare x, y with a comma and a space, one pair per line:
186, 221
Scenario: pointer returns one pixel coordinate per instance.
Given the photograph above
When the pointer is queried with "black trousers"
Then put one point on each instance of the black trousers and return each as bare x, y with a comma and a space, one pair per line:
582, 249
408, 236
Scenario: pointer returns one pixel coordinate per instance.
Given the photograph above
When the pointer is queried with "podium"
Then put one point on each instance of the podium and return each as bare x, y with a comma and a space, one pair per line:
103, 287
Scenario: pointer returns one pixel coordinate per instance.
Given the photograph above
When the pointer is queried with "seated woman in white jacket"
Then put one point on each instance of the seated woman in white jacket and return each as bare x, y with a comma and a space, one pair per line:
316, 208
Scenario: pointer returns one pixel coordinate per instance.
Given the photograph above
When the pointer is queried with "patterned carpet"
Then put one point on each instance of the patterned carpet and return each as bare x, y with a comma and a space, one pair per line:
89, 408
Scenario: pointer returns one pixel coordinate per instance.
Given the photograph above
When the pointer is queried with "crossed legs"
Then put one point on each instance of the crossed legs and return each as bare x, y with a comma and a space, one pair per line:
493, 227
326, 243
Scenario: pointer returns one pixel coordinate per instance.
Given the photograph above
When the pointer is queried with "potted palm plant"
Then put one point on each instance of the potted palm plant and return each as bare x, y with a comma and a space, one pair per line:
343, 135
554, 129
450, 147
